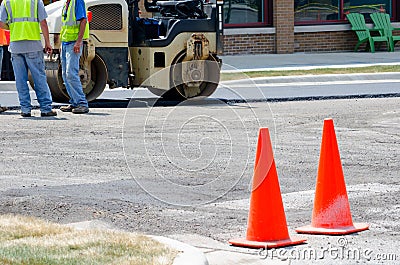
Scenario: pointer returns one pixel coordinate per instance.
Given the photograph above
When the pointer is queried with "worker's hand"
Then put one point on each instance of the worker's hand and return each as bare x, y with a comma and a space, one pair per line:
77, 46
48, 49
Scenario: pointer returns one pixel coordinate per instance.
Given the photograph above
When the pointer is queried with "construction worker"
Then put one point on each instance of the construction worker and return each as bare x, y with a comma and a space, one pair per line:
25, 19
3, 41
74, 30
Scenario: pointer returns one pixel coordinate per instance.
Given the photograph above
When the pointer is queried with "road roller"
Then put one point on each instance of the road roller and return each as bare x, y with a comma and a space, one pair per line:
168, 47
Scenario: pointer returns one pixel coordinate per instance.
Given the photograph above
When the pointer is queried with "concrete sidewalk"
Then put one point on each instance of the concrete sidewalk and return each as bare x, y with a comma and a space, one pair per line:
307, 61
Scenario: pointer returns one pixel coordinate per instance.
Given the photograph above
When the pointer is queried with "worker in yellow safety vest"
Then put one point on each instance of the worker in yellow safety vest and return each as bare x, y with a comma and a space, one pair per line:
3, 42
25, 19
75, 28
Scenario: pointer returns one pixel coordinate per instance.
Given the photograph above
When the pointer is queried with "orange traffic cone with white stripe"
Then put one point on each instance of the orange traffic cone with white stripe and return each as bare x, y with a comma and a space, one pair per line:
331, 213
267, 226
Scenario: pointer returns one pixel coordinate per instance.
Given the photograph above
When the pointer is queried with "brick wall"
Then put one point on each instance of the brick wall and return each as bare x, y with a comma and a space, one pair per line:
330, 42
249, 44
283, 11
325, 41
284, 40
334, 41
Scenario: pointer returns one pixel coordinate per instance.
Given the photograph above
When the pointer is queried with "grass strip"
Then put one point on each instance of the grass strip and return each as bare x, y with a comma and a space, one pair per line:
28, 240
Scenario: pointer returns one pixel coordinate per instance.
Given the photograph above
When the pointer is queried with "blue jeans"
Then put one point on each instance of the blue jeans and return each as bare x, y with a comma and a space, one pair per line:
34, 61
70, 74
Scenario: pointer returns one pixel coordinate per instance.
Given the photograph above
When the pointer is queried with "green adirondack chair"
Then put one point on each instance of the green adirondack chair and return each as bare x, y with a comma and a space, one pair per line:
357, 22
382, 21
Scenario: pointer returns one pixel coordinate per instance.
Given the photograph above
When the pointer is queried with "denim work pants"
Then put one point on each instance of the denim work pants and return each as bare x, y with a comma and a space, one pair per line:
34, 61
70, 74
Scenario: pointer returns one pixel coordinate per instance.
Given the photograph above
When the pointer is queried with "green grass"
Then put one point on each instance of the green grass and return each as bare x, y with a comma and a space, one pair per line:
27, 240
320, 71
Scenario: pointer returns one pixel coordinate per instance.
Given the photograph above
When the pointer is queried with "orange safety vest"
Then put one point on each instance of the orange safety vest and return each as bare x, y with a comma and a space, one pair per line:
3, 38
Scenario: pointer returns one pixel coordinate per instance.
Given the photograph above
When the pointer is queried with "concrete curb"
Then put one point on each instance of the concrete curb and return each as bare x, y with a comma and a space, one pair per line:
190, 255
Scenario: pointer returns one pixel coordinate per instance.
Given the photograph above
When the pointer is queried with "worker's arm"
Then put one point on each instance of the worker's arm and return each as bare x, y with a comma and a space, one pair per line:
82, 27
3, 16
45, 31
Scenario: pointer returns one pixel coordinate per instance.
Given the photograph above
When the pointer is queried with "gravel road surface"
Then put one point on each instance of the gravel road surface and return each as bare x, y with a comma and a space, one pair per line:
185, 171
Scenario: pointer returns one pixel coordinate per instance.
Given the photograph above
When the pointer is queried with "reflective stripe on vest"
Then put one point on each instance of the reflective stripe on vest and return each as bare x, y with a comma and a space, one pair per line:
23, 19
70, 26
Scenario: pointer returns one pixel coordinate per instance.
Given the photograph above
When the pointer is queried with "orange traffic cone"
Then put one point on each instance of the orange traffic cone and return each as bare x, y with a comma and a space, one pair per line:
267, 222
331, 214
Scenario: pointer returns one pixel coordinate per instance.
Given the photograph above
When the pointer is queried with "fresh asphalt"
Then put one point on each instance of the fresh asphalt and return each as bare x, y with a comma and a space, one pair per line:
224, 255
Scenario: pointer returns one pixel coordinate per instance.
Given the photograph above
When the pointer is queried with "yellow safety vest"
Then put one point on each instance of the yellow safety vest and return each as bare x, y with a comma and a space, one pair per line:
23, 19
70, 26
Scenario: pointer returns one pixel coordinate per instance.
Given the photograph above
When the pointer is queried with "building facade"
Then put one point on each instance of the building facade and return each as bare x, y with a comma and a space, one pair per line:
288, 26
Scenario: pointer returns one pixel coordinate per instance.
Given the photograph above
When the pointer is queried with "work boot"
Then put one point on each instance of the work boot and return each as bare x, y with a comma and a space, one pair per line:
26, 114
48, 114
66, 108
80, 110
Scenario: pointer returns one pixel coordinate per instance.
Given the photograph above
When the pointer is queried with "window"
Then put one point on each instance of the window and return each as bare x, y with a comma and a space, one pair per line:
316, 10
246, 12
367, 7
325, 11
